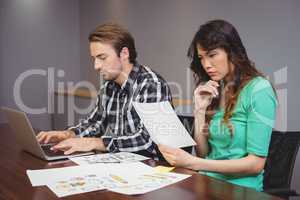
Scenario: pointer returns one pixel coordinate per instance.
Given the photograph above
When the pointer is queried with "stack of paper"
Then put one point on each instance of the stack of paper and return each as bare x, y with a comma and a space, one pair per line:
140, 179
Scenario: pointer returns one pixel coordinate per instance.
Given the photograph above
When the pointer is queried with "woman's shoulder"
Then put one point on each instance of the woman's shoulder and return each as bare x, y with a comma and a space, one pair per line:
258, 84
258, 89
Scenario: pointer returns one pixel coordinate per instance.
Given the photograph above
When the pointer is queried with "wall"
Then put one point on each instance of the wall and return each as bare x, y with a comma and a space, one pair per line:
41, 35
1, 65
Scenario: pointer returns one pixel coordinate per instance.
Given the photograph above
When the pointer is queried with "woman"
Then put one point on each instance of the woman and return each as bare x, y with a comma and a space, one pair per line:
234, 110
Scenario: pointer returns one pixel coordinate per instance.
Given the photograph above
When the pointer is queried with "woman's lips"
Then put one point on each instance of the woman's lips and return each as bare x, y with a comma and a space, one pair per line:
212, 73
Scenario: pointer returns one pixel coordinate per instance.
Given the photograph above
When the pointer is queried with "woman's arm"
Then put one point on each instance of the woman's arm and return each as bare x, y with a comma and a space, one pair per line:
247, 165
203, 95
200, 136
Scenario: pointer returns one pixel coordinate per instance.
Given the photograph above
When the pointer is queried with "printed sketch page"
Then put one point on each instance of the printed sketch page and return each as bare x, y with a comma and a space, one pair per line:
108, 158
139, 179
148, 182
77, 185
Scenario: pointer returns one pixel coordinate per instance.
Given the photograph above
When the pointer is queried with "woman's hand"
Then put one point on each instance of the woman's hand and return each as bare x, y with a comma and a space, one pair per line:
203, 95
176, 156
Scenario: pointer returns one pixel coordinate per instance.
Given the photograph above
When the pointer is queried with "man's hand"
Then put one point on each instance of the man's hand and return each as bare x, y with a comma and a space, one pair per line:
54, 136
79, 144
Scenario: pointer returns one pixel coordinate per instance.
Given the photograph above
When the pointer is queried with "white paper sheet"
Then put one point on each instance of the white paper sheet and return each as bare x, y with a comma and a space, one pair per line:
148, 182
163, 124
50, 176
108, 158
129, 157
44, 176
77, 185
119, 181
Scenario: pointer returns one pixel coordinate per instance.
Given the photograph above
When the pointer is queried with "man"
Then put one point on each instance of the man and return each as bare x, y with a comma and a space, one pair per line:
113, 125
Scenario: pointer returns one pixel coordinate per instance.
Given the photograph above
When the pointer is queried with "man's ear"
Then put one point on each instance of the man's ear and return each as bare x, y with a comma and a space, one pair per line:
124, 54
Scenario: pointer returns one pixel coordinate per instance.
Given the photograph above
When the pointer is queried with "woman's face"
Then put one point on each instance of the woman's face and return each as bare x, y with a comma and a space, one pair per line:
215, 62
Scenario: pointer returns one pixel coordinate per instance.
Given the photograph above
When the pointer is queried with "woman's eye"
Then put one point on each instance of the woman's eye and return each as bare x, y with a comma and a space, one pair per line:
211, 55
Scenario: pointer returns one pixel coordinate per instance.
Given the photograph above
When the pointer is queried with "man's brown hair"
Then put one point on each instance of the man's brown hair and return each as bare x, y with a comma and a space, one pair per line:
117, 36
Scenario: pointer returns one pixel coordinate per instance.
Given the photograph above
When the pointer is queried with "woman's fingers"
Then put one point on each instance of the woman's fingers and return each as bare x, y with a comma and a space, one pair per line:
213, 83
209, 88
212, 90
166, 148
170, 158
167, 153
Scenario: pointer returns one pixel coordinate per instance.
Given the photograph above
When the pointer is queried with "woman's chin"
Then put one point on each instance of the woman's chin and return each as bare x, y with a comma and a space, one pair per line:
215, 78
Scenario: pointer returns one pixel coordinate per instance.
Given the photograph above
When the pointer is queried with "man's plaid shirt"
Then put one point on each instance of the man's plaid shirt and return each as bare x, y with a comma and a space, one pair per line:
114, 118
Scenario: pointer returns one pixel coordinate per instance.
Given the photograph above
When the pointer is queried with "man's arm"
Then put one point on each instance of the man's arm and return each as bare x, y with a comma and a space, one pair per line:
92, 125
151, 91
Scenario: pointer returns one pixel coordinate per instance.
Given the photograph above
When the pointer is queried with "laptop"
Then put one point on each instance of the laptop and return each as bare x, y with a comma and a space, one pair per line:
26, 137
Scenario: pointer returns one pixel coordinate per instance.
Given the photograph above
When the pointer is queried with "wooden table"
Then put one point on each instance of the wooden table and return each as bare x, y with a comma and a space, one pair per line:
15, 185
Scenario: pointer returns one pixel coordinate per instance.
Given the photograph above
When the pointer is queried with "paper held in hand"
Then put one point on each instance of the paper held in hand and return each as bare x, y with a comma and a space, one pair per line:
163, 124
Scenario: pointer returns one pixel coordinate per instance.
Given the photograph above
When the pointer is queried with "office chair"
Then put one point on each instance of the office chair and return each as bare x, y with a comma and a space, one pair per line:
280, 162
188, 122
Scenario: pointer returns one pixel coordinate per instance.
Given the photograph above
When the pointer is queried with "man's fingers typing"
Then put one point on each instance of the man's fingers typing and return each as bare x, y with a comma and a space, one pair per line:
69, 151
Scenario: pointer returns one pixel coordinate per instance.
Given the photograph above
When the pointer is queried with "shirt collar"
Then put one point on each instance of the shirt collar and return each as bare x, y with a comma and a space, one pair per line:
128, 84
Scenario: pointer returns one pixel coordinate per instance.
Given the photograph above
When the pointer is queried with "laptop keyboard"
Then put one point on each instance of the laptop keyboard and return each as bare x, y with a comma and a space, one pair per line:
47, 150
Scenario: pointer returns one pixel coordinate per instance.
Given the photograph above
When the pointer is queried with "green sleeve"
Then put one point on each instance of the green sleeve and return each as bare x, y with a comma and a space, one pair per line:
262, 110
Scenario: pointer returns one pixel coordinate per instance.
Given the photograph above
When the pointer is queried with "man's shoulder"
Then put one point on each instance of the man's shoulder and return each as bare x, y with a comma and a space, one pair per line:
149, 75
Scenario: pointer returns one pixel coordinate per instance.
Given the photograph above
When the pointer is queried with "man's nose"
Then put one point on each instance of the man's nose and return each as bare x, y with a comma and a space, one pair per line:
97, 65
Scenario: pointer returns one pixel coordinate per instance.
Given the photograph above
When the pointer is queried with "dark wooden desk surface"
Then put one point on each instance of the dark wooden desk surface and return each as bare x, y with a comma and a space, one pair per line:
15, 185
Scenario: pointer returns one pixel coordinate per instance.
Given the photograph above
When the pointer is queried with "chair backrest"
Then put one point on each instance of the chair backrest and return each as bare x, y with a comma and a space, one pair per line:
280, 162
188, 122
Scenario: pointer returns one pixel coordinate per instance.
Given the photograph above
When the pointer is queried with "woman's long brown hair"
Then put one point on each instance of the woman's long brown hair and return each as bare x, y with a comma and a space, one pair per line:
221, 34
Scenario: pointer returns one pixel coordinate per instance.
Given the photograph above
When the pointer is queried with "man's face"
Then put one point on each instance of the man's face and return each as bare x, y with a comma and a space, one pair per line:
106, 60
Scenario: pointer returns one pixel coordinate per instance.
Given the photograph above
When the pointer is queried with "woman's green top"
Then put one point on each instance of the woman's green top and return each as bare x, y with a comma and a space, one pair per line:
252, 120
